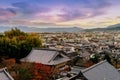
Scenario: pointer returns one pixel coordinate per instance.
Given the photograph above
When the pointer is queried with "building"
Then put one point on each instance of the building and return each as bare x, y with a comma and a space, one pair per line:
4, 75
101, 71
47, 62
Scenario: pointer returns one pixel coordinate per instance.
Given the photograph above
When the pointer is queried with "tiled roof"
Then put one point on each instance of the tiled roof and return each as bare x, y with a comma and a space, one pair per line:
101, 71
45, 56
4, 75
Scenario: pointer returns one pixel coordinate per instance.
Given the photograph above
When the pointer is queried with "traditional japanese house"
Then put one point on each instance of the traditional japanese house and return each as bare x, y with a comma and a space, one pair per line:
47, 62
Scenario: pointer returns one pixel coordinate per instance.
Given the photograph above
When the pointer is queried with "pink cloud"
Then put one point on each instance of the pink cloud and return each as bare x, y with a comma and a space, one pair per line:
6, 13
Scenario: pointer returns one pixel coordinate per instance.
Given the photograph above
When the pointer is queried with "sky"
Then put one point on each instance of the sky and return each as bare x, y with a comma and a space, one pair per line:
60, 13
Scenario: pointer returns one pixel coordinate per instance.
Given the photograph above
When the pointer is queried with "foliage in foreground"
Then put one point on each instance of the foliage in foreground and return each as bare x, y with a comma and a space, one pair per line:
17, 44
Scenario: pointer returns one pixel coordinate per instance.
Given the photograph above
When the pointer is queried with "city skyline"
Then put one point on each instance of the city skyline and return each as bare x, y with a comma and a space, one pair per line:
60, 13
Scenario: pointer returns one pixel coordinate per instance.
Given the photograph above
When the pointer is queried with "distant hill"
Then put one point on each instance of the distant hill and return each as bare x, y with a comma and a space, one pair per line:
109, 28
68, 29
34, 29
114, 27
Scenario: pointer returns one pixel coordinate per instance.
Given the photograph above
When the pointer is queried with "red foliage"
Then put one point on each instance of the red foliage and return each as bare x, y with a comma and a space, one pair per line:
88, 64
42, 70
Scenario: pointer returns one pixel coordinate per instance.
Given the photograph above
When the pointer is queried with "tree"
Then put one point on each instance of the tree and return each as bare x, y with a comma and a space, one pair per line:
107, 57
17, 44
95, 58
24, 74
14, 32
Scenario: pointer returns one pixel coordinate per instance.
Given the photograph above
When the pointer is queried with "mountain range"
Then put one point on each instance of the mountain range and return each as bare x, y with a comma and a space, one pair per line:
68, 29
109, 28
34, 29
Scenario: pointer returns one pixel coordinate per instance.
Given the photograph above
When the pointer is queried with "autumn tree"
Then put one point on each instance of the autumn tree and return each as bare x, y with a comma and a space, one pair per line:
14, 32
17, 44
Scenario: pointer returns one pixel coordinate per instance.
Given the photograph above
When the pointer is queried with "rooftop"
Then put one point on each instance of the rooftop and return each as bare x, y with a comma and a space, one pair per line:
46, 56
101, 71
4, 75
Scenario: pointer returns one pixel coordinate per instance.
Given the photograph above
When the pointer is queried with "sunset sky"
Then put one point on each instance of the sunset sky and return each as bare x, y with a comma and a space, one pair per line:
60, 13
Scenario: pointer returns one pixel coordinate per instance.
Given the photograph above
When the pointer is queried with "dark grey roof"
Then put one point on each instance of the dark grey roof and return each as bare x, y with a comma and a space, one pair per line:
45, 56
4, 75
101, 71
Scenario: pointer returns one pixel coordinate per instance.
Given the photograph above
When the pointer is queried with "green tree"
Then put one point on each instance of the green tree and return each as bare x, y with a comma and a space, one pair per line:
14, 32
107, 57
95, 58
17, 44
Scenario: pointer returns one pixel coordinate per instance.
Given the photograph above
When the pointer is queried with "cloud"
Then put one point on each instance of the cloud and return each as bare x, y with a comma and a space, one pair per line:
26, 22
81, 9
29, 8
96, 4
6, 13
43, 23
118, 17
85, 9
80, 14
51, 12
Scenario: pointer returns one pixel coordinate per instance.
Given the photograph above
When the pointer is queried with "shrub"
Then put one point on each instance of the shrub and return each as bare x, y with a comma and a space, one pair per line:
24, 74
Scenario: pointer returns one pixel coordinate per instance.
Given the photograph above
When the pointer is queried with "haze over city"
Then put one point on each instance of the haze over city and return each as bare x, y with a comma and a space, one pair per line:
60, 13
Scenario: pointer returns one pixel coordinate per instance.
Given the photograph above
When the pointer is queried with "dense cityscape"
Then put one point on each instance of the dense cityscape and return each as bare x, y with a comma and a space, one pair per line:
59, 40
60, 56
